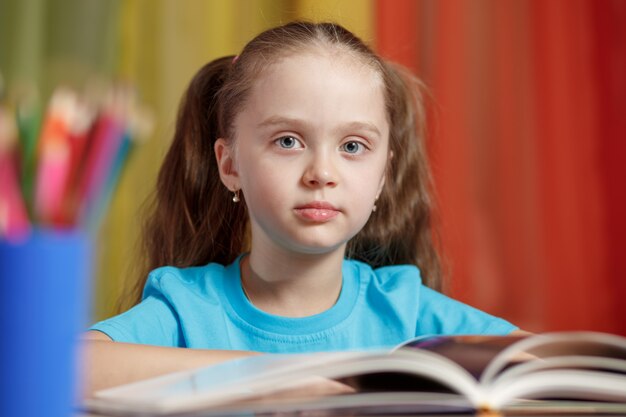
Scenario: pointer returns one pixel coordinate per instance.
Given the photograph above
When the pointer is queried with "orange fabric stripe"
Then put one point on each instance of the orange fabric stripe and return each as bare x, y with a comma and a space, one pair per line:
397, 31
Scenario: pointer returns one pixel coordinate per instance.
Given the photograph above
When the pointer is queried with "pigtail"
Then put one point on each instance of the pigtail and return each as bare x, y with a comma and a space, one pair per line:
192, 219
402, 230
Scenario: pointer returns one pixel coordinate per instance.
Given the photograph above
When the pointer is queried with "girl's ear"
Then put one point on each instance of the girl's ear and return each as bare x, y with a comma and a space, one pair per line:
226, 164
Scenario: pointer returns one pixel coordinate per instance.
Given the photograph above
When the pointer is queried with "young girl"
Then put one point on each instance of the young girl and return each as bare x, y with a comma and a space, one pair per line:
292, 214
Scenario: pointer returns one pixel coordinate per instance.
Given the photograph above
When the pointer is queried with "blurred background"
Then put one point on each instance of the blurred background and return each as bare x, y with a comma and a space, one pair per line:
528, 127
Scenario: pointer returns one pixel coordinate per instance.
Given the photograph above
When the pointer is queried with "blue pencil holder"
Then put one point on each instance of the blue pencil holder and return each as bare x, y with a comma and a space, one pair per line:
44, 284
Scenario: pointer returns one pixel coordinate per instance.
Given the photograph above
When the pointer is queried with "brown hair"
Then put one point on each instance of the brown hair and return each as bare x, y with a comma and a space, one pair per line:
193, 220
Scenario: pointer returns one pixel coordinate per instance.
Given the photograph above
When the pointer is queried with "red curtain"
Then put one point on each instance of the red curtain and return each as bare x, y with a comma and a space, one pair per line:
528, 148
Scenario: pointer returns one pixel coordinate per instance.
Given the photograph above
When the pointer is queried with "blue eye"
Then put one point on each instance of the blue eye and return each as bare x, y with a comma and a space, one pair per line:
353, 147
288, 142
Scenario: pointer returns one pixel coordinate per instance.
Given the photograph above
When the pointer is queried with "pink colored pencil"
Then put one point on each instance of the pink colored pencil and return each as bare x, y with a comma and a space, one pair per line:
54, 155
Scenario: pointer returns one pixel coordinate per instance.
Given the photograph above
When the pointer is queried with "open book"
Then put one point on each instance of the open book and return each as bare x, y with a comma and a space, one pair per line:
573, 372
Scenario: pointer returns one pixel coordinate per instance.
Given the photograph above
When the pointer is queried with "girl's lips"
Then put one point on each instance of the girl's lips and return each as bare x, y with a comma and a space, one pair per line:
317, 211
316, 215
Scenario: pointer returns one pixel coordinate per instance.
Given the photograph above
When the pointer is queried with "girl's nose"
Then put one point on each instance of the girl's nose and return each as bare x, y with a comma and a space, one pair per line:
320, 173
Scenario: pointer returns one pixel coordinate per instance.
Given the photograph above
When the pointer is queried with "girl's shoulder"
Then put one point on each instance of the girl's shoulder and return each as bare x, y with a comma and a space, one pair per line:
394, 275
189, 274
387, 271
197, 279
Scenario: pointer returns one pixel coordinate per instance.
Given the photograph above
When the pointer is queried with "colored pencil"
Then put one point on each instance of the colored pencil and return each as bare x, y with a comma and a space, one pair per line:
29, 119
14, 222
54, 155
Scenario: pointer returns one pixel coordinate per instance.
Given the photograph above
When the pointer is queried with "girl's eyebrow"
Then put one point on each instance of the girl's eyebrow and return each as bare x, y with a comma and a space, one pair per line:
274, 121
362, 126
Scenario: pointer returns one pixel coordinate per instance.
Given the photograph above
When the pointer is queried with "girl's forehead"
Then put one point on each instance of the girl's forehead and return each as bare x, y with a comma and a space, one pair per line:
316, 74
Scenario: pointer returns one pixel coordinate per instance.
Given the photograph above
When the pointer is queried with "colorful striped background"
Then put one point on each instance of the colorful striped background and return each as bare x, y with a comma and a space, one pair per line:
528, 127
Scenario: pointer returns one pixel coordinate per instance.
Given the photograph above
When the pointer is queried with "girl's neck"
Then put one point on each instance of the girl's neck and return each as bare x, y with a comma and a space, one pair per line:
292, 285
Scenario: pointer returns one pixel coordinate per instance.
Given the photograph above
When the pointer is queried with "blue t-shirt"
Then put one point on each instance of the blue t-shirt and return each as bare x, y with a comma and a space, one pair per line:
205, 307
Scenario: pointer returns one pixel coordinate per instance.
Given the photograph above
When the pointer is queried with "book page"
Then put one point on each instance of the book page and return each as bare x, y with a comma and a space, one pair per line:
559, 344
473, 353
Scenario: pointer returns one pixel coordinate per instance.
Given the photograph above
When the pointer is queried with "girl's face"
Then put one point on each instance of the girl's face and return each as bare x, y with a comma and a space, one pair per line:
310, 152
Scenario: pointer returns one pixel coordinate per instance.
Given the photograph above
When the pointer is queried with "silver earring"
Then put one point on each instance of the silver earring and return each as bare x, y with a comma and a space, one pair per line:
374, 208
236, 198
